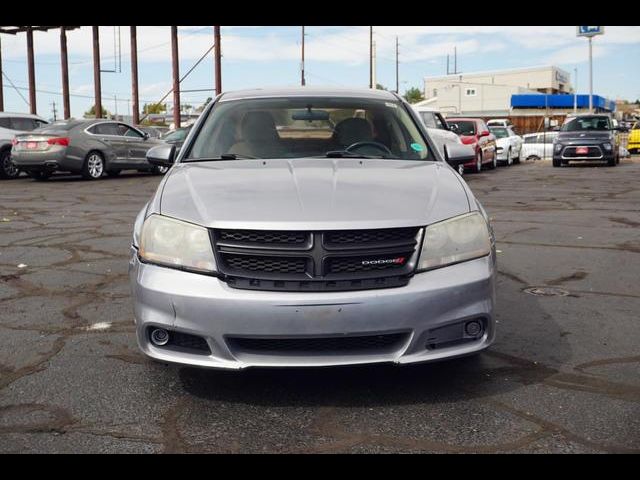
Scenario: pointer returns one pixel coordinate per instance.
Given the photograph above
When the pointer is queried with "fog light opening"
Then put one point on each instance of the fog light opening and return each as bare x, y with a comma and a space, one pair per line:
159, 336
473, 328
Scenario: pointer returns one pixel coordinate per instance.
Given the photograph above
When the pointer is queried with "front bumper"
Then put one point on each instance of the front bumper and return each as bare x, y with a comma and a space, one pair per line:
206, 306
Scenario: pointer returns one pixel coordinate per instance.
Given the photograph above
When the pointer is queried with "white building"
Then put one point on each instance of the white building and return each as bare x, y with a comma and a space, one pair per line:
489, 93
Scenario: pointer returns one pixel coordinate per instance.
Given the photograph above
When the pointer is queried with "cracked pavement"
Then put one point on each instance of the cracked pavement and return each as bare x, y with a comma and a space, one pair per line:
563, 375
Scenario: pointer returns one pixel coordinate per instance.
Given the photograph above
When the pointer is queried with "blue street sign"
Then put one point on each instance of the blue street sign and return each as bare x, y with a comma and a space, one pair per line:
590, 31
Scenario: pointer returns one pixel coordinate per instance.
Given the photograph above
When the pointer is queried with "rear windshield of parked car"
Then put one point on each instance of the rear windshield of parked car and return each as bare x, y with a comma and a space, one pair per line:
499, 132
586, 123
299, 127
465, 127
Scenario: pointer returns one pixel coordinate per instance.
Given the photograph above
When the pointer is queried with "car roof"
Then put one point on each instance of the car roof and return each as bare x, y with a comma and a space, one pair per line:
21, 115
308, 92
469, 119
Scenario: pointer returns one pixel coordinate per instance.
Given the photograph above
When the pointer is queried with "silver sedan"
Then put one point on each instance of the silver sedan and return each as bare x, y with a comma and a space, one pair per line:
88, 147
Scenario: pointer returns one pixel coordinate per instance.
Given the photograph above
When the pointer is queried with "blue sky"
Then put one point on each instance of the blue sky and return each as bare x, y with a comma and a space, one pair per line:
255, 56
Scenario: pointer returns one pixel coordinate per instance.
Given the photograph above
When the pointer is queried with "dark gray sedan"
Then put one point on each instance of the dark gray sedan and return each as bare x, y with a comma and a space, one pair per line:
88, 147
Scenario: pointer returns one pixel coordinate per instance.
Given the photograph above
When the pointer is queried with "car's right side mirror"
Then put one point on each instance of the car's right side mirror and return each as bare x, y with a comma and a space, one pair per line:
458, 154
162, 155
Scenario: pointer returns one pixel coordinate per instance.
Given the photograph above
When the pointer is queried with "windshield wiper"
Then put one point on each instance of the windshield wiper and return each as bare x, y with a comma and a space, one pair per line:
224, 156
346, 154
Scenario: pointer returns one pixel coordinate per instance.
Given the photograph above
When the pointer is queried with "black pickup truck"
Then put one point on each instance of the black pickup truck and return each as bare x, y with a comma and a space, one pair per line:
587, 137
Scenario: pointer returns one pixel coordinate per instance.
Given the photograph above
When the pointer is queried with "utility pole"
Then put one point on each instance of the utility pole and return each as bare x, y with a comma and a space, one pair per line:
217, 49
1, 80
447, 64
115, 102
575, 92
32, 72
373, 63
66, 107
371, 85
53, 105
590, 74
397, 67
134, 76
302, 80
455, 60
176, 76
97, 88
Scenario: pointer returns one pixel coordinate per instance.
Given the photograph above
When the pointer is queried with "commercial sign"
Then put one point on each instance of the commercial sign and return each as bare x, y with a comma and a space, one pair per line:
590, 31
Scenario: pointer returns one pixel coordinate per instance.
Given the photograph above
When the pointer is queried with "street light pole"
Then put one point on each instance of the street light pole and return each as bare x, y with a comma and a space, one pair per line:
303, 79
590, 74
575, 93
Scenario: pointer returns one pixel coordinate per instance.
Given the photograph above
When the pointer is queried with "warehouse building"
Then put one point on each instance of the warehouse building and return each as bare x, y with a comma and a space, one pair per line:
489, 93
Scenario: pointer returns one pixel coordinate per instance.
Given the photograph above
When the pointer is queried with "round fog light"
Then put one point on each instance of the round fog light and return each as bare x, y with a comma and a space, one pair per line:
159, 336
473, 328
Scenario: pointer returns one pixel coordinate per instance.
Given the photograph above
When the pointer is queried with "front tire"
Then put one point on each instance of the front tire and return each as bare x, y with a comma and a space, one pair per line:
93, 166
556, 162
7, 167
509, 158
612, 162
478, 162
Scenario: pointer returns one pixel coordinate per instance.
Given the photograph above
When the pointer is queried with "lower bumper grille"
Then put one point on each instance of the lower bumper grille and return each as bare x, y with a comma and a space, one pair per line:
352, 344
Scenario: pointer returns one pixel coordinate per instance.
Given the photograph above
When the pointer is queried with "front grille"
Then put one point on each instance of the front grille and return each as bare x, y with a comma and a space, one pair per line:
252, 263
367, 237
364, 264
572, 152
260, 237
354, 344
316, 261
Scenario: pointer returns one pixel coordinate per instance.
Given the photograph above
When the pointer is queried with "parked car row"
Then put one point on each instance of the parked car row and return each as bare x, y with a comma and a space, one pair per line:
91, 148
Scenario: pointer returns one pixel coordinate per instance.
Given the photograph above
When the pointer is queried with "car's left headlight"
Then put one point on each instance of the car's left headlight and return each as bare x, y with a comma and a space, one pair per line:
455, 240
607, 146
557, 147
174, 243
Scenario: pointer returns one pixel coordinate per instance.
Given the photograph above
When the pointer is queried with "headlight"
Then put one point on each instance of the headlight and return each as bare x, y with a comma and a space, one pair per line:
557, 147
607, 146
455, 240
177, 244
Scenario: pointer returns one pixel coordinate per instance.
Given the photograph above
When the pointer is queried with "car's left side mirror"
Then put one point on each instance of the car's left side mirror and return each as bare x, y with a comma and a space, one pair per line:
458, 154
162, 155
146, 135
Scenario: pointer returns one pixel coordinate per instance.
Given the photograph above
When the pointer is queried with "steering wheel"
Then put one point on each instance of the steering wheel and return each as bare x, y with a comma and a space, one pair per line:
377, 145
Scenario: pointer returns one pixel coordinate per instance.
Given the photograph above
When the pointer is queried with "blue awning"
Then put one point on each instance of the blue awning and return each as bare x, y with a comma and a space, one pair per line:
540, 100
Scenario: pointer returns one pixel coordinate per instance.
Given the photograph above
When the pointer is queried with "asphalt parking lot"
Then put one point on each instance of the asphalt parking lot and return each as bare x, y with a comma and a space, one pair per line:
563, 375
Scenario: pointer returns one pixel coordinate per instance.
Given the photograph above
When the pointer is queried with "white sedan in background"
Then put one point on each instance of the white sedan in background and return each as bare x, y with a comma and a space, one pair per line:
437, 127
509, 145
538, 146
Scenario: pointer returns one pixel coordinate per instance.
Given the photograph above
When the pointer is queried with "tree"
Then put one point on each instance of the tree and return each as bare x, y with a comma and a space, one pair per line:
379, 86
186, 107
154, 108
91, 113
413, 95
202, 107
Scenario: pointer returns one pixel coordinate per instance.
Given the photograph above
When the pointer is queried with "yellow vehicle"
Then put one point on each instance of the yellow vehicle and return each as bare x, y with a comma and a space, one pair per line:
633, 146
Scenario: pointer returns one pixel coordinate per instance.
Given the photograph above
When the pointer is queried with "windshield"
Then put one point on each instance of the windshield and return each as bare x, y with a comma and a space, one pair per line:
298, 127
586, 123
176, 135
499, 132
465, 127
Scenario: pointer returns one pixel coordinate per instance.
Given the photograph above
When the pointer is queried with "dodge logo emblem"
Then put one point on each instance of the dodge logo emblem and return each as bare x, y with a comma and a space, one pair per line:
385, 261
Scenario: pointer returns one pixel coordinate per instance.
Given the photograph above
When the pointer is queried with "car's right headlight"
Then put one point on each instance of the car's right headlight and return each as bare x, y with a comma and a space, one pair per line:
174, 243
455, 240
557, 147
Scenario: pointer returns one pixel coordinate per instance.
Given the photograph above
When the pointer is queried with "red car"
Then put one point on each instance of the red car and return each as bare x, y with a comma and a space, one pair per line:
474, 132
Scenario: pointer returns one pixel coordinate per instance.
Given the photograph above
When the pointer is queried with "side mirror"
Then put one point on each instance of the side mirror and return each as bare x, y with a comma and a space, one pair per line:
454, 128
162, 155
484, 133
458, 154
146, 135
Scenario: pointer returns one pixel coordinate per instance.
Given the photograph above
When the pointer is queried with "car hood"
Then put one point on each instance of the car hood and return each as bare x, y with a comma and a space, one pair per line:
502, 142
589, 137
312, 194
